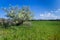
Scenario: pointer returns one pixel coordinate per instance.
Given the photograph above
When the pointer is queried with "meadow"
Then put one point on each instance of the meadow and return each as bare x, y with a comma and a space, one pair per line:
39, 30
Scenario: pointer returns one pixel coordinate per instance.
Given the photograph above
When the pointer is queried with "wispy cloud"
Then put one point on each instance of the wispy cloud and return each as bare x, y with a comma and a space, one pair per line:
50, 15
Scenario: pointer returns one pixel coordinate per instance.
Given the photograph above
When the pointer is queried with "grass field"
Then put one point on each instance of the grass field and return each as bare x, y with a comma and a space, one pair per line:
40, 30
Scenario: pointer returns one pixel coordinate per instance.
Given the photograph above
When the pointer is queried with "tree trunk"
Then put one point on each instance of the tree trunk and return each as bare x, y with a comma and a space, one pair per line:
19, 23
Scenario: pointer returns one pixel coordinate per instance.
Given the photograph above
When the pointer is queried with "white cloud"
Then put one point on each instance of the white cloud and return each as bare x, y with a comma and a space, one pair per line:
51, 15
48, 16
58, 10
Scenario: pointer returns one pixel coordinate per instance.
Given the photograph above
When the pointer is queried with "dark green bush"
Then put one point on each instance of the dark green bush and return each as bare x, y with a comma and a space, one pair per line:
6, 24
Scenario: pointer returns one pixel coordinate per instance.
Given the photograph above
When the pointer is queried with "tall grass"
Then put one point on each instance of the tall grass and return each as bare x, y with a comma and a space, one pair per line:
40, 30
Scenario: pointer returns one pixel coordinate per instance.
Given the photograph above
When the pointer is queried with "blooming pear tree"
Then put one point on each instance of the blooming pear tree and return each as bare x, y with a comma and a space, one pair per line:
17, 15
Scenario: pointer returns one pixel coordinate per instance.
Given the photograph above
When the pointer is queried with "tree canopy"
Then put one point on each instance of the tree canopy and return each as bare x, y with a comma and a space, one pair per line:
17, 14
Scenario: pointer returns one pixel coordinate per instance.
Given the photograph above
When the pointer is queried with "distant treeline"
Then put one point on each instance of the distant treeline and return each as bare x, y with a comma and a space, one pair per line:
46, 20
36, 20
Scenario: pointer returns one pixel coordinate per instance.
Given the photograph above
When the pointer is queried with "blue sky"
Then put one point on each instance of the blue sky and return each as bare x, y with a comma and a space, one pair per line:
42, 9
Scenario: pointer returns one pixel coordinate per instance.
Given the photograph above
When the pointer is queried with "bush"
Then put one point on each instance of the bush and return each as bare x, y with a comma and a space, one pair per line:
27, 23
6, 24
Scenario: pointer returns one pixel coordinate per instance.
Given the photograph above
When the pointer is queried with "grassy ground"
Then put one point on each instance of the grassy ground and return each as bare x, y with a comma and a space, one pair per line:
40, 30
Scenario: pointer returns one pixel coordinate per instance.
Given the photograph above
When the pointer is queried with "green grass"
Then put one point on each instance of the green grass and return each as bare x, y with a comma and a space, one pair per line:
40, 30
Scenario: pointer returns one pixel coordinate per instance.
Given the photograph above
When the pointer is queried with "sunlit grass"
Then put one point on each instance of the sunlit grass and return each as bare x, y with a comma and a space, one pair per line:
40, 30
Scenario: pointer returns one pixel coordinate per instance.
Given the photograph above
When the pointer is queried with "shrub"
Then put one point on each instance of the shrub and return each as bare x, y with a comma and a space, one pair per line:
27, 23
